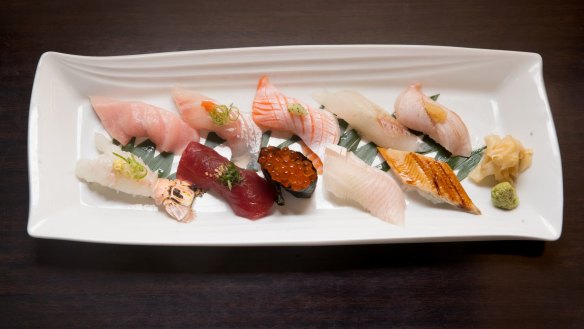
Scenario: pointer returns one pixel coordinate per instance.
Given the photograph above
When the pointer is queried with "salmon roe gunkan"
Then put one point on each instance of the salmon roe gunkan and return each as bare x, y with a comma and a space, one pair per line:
289, 168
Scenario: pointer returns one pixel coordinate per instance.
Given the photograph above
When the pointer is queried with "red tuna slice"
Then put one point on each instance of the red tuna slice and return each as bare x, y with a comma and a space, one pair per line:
252, 198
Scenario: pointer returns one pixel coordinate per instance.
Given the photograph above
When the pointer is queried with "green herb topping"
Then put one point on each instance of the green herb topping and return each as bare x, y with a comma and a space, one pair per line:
297, 109
228, 174
223, 114
129, 167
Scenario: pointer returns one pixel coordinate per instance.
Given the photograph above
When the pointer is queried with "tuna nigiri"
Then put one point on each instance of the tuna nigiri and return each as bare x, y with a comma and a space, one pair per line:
369, 119
433, 179
317, 128
419, 112
347, 177
240, 132
124, 172
248, 194
124, 120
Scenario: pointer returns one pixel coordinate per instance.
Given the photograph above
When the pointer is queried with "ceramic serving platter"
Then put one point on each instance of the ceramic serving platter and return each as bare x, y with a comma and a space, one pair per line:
493, 91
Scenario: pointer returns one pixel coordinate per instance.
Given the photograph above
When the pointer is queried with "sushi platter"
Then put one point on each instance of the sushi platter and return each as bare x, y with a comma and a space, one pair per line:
78, 121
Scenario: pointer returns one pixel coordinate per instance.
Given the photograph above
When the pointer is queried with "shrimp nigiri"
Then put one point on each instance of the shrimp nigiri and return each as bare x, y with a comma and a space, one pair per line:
317, 128
122, 171
419, 112
347, 177
124, 120
241, 133
369, 119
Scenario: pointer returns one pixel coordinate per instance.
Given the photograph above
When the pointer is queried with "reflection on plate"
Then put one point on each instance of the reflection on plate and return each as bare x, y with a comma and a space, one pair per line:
493, 91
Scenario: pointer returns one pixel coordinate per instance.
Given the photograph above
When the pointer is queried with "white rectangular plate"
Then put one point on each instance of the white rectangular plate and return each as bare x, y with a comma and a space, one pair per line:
493, 91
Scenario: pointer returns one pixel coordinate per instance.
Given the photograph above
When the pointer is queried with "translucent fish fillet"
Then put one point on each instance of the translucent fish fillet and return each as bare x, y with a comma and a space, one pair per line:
317, 128
419, 112
243, 135
124, 120
369, 119
433, 179
347, 177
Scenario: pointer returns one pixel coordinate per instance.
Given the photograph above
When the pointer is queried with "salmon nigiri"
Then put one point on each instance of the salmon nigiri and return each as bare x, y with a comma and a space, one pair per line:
348, 177
124, 120
371, 121
432, 179
419, 112
241, 133
317, 128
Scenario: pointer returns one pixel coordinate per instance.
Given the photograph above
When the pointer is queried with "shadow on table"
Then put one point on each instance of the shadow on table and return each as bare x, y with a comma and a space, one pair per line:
274, 259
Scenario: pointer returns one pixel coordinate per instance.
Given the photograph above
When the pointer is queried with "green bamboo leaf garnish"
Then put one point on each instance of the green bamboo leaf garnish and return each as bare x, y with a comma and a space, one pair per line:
228, 175
213, 140
383, 166
367, 152
145, 151
350, 140
442, 155
435, 97
265, 138
289, 142
129, 167
469, 164
343, 125
162, 164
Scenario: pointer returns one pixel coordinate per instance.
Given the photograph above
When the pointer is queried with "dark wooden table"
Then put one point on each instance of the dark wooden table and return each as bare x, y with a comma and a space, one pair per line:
512, 284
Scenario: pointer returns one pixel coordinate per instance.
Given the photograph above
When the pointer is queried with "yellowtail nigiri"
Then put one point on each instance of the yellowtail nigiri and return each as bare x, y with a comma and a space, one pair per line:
433, 179
347, 177
419, 112
241, 133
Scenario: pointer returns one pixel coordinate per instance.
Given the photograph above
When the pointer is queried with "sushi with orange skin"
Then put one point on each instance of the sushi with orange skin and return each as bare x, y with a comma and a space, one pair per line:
274, 110
432, 179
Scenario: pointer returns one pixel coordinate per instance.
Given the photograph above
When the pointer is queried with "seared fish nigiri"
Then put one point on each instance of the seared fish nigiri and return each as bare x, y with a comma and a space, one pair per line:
317, 128
433, 179
369, 119
419, 112
348, 177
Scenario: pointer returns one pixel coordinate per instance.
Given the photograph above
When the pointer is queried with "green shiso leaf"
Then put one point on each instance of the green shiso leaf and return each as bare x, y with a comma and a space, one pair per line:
367, 152
470, 163
213, 140
289, 142
435, 97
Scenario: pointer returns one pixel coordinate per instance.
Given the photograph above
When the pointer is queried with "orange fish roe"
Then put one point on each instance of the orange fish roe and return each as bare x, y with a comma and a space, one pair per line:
289, 168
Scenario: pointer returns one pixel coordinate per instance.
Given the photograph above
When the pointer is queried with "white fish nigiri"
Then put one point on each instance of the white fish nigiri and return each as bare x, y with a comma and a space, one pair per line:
124, 120
369, 119
419, 112
347, 177
124, 172
237, 129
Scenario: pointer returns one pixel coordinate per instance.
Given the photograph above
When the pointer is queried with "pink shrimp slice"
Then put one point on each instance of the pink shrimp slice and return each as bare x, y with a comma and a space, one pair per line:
125, 119
317, 128
242, 134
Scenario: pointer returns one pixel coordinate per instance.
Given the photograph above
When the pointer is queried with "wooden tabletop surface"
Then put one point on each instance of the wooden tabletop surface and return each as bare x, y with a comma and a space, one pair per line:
499, 284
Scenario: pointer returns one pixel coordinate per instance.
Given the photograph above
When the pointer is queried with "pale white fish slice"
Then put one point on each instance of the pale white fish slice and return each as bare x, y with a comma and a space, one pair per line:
369, 119
347, 177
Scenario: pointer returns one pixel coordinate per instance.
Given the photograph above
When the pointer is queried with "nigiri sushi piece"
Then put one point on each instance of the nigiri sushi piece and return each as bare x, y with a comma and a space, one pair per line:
347, 177
419, 112
369, 119
124, 172
237, 129
126, 119
432, 179
246, 192
274, 110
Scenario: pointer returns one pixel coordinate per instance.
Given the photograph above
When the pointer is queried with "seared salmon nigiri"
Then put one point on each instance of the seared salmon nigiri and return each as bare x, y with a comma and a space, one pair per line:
317, 128
433, 179
419, 112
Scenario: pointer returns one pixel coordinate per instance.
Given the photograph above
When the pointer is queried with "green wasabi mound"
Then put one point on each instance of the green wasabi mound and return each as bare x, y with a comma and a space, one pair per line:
504, 196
